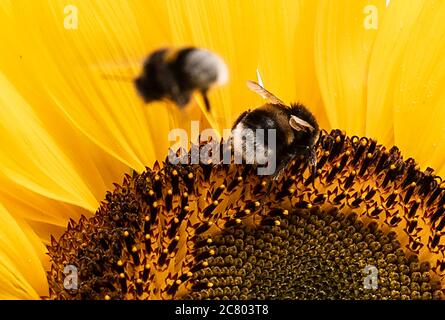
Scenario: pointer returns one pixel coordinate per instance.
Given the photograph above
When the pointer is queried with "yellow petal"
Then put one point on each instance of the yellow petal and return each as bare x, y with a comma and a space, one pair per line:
21, 273
28, 205
95, 167
67, 66
223, 27
384, 67
286, 52
63, 65
249, 36
420, 99
344, 38
30, 157
38, 244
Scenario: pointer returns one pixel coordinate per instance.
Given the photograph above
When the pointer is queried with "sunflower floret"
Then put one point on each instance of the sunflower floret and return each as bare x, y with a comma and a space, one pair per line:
209, 231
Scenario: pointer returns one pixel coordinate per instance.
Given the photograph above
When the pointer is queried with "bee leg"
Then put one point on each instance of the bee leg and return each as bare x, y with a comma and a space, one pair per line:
206, 100
181, 98
312, 159
278, 172
270, 184
281, 166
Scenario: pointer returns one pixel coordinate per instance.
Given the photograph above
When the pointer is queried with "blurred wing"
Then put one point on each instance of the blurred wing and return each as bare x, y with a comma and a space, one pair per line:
118, 70
255, 87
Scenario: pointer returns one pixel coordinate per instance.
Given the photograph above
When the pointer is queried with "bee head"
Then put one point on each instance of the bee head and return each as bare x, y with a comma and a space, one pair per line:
148, 89
303, 123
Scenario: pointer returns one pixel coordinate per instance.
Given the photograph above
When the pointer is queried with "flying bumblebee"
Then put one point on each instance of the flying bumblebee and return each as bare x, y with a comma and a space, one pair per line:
175, 74
296, 128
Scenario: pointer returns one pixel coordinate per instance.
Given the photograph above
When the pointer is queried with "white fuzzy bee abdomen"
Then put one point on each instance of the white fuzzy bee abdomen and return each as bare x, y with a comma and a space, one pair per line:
206, 68
250, 146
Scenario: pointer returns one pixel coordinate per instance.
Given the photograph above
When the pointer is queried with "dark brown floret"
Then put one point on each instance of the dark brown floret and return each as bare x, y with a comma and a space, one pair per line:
309, 254
221, 231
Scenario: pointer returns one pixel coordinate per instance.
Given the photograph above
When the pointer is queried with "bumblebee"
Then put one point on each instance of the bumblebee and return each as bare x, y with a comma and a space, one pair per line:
296, 128
176, 74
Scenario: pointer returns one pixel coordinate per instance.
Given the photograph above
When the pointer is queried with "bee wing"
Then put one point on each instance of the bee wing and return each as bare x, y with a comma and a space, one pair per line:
255, 87
130, 64
117, 70
299, 124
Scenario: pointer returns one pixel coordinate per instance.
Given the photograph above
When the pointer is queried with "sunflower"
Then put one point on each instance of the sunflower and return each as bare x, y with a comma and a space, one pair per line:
83, 183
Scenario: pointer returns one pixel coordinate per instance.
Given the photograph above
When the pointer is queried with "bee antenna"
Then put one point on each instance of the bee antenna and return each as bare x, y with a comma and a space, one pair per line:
114, 77
259, 79
265, 94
